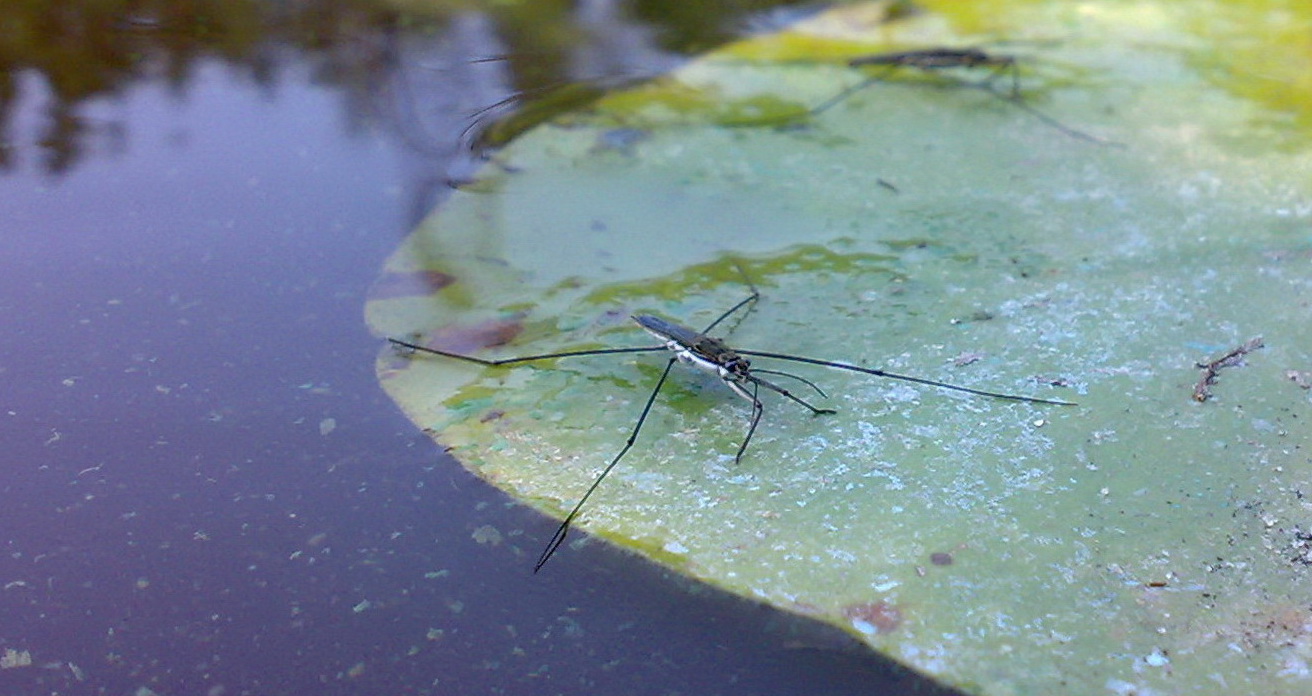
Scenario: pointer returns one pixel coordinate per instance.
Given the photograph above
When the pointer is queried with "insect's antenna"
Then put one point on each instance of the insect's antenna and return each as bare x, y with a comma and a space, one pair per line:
524, 359
559, 537
803, 380
904, 378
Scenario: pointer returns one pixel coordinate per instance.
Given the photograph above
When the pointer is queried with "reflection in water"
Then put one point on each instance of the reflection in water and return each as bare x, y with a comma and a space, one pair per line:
412, 69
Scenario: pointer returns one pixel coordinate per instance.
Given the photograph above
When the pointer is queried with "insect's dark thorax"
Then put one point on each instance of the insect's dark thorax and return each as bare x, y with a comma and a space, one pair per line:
692, 346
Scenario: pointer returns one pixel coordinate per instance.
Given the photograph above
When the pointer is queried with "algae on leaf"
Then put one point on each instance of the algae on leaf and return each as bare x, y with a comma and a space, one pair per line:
1142, 543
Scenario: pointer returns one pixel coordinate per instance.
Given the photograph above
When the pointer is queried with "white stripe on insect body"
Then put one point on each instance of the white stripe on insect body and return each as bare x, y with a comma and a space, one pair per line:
731, 369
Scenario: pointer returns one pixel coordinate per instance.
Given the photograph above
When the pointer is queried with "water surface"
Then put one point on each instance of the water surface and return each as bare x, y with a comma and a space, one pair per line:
204, 489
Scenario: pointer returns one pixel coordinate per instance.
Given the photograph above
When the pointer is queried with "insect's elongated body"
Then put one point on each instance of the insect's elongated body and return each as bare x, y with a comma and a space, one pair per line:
701, 351
935, 58
713, 355
945, 58
931, 59
692, 347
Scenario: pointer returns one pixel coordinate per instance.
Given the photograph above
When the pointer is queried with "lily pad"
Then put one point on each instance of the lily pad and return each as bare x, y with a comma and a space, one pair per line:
1143, 542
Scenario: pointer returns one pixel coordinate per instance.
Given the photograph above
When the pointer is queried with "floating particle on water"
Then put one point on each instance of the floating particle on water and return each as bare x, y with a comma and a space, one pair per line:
487, 534
15, 658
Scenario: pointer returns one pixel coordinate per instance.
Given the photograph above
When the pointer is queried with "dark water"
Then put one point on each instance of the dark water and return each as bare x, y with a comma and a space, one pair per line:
204, 490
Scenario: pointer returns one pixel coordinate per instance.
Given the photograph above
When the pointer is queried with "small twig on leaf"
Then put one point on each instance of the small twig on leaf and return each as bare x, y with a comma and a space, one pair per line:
1212, 370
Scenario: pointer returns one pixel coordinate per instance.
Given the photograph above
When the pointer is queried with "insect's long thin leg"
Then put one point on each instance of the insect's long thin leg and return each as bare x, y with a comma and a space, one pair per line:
904, 378
749, 302
1051, 122
524, 359
559, 537
757, 409
803, 380
1015, 78
788, 395
1003, 65
746, 301
847, 92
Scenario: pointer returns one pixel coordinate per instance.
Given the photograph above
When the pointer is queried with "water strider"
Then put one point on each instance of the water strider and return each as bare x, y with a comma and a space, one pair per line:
940, 58
944, 58
713, 355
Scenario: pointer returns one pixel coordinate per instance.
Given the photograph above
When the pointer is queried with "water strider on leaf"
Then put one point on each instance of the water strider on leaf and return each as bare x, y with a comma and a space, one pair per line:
732, 366
946, 58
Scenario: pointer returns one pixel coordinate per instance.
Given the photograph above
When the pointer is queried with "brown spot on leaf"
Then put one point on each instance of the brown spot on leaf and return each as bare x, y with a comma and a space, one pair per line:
883, 616
965, 359
414, 284
472, 338
940, 558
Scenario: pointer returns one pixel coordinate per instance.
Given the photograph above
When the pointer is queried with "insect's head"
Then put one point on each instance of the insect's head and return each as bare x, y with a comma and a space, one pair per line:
737, 366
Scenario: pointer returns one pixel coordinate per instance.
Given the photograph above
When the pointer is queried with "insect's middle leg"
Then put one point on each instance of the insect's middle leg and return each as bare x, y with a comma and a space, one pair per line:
559, 537
849, 91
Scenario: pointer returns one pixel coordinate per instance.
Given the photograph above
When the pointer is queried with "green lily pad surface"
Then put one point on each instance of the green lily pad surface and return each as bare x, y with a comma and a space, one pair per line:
1145, 209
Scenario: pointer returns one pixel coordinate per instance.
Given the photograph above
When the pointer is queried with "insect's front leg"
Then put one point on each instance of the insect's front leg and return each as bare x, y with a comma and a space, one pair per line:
757, 409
